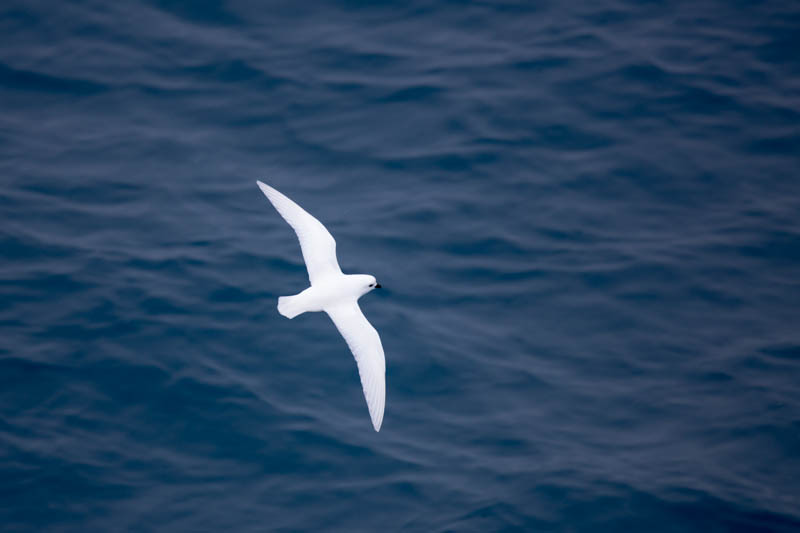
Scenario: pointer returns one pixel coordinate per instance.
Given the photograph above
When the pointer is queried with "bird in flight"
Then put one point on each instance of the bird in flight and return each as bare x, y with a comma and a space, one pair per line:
337, 294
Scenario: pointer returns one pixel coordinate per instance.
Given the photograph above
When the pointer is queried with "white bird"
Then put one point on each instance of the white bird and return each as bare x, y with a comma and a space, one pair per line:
337, 294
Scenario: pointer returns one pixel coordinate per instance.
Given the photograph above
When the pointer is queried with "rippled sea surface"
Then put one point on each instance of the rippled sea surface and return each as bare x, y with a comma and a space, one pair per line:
584, 214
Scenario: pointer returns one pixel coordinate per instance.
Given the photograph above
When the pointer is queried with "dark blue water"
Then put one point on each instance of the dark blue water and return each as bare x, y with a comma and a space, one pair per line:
586, 217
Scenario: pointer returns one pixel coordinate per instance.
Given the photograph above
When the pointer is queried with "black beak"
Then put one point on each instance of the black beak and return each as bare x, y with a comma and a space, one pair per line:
377, 285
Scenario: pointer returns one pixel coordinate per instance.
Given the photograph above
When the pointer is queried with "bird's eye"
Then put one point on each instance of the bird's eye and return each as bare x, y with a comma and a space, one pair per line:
371, 284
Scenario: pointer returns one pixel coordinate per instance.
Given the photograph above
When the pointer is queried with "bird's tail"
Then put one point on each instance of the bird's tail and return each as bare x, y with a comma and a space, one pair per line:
290, 306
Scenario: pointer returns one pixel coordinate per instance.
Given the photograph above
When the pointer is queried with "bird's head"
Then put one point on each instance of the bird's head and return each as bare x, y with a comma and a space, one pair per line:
367, 283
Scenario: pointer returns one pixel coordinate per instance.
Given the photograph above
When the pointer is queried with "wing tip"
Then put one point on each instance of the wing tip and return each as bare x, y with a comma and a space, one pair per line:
264, 187
376, 417
272, 194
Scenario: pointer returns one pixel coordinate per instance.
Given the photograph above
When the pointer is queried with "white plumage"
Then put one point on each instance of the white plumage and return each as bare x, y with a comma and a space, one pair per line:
337, 294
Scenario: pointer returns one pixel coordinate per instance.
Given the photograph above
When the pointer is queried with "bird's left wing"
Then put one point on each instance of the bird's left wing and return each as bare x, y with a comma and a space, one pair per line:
366, 346
316, 242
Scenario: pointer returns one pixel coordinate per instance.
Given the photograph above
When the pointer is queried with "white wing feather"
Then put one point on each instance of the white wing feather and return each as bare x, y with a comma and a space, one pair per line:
317, 244
365, 343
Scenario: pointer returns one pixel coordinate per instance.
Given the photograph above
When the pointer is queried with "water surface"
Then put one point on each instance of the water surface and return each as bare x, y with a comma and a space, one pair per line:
585, 218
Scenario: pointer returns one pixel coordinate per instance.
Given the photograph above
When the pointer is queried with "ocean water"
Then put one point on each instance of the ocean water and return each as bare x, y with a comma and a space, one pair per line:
585, 216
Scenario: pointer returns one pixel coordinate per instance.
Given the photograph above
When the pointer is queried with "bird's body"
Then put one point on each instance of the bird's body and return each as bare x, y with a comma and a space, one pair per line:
326, 292
337, 294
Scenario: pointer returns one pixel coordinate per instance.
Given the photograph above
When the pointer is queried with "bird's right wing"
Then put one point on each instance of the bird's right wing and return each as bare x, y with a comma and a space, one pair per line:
366, 346
317, 244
